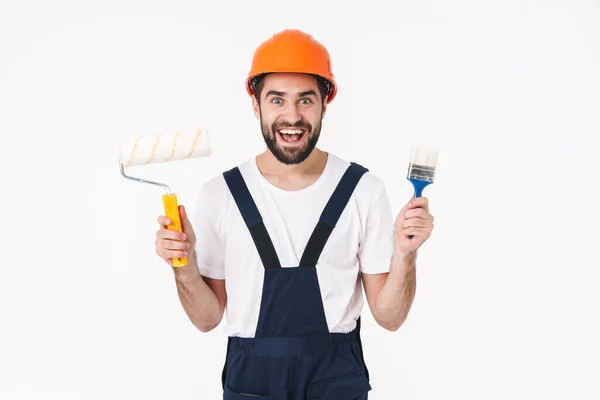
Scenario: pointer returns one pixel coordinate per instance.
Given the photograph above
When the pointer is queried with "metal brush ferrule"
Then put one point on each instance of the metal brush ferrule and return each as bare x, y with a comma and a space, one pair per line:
168, 190
421, 172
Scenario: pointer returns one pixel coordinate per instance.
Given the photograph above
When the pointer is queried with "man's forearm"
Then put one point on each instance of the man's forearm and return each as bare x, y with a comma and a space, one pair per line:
397, 293
198, 300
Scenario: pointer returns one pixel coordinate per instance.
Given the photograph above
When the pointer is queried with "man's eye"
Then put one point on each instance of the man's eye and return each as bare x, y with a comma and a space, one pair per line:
275, 100
306, 101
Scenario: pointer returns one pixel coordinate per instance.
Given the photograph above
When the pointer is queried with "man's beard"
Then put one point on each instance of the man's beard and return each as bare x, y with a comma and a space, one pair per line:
285, 155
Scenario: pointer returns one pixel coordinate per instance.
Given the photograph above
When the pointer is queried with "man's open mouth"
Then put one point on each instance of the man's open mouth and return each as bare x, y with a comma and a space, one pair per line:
291, 136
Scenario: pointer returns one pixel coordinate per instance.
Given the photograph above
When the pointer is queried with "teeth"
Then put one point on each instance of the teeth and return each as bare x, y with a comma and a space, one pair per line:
291, 131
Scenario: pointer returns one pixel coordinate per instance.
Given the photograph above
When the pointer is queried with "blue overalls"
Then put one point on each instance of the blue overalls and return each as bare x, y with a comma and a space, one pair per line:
293, 356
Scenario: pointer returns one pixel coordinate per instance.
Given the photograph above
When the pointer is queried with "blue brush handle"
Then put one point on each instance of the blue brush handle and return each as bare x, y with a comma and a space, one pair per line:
419, 186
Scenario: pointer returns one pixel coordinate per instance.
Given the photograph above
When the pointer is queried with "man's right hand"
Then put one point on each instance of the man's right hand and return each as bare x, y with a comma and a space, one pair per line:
172, 244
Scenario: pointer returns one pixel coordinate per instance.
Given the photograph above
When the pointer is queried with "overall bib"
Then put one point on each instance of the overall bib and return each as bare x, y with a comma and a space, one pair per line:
293, 356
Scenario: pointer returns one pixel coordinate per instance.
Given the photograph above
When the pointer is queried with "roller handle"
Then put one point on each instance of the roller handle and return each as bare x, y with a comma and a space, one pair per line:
172, 212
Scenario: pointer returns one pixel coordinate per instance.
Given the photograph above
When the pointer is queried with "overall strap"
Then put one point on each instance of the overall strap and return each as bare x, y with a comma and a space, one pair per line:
331, 214
252, 218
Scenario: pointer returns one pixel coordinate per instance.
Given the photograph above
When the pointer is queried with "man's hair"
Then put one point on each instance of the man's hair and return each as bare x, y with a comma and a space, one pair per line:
258, 83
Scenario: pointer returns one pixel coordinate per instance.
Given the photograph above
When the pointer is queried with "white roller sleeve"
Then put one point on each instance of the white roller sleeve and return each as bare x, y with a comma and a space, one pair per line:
164, 147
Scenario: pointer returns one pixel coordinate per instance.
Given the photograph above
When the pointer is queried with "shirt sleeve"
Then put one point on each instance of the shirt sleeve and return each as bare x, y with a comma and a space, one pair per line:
377, 246
209, 246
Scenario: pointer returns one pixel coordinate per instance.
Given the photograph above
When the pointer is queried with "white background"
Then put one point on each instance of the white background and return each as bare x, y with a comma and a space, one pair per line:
507, 300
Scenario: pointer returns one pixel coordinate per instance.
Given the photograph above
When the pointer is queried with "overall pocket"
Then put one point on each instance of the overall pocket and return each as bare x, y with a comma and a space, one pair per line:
348, 387
229, 394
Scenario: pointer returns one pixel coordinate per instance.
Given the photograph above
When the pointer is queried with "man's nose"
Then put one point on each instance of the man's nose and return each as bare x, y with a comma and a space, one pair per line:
292, 114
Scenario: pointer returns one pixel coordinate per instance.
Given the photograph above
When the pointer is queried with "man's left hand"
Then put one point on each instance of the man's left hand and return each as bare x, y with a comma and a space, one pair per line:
414, 219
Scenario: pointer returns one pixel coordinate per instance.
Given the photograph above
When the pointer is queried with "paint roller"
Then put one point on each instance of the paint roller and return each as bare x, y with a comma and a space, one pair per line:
164, 147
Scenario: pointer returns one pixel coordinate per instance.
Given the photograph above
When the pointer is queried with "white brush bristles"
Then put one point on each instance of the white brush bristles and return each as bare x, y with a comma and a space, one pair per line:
424, 155
165, 147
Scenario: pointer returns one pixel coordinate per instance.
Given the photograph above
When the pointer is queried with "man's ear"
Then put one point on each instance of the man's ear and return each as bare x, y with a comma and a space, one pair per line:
324, 109
255, 107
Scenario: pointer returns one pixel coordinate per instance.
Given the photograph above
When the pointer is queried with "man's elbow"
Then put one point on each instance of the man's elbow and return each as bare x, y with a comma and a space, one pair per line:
391, 325
392, 328
205, 328
207, 325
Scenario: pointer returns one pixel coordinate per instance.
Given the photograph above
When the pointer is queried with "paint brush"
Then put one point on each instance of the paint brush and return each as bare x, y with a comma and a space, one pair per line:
421, 167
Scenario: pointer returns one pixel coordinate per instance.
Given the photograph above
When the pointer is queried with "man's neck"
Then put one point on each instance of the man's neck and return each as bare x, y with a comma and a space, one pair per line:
292, 177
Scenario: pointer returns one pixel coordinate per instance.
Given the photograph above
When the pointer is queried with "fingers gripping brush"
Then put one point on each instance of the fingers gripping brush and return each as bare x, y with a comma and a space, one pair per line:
421, 168
164, 147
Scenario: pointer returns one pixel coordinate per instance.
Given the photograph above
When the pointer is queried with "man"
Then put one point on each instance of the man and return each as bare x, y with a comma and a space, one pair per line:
288, 239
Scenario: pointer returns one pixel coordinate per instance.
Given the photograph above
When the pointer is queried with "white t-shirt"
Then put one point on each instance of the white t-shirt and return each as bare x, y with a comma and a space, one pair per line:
361, 241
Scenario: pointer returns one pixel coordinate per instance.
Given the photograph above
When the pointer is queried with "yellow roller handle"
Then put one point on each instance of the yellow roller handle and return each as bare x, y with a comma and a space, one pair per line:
172, 212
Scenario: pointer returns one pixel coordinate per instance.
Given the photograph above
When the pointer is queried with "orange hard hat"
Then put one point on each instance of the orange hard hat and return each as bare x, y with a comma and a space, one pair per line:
292, 51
